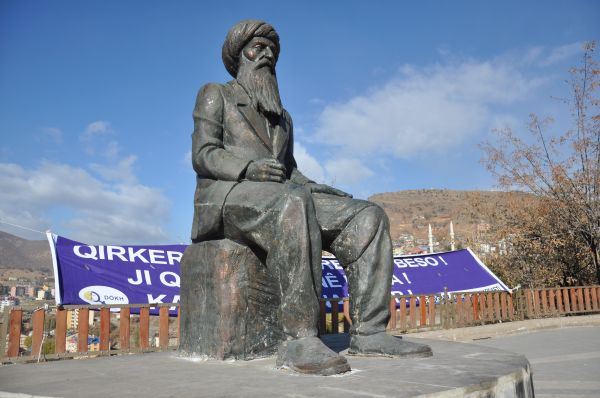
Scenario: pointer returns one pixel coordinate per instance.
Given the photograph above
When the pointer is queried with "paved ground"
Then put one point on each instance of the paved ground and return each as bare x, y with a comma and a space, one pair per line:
565, 362
564, 353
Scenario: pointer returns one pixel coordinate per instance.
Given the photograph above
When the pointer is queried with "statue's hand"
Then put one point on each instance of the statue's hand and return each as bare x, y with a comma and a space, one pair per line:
265, 170
323, 188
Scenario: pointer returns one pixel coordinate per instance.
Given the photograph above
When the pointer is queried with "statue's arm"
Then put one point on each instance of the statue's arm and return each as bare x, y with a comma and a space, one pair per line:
209, 157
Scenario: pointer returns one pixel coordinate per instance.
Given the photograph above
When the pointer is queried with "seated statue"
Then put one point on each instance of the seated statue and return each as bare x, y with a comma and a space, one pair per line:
250, 191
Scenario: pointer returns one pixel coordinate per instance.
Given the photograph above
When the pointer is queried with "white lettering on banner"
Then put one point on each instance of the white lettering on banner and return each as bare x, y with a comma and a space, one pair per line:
418, 262
89, 256
137, 254
156, 300
399, 292
332, 280
138, 275
174, 256
176, 299
395, 279
130, 254
156, 257
172, 283
112, 251
160, 300
331, 264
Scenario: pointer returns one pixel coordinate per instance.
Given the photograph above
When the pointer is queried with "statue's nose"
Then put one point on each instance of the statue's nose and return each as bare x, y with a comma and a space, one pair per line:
269, 53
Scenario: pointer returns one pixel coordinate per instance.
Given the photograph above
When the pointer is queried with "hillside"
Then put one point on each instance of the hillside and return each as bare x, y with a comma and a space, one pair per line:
23, 254
411, 211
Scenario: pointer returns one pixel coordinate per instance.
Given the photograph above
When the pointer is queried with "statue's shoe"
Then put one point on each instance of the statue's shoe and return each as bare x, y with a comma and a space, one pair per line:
383, 344
310, 355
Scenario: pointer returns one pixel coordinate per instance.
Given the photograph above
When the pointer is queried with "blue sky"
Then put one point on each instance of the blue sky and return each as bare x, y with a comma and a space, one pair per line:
96, 99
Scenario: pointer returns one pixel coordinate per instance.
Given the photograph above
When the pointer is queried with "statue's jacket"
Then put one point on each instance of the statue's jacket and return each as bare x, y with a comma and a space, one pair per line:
228, 134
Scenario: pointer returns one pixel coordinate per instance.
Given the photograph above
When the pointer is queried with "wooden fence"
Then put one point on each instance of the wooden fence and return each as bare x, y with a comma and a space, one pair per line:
12, 348
408, 314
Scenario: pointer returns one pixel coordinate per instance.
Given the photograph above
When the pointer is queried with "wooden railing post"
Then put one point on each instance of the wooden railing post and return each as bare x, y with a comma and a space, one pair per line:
403, 313
14, 333
552, 301
393, 314
104, 329
544, 300
510, 305
60, 334
559, 301
413, 312
422, 311
588, 301
432, 310
124, 329
574, 303
144, 328
322, 317
347, 319
335, 317
475, 298
38, 318
497, 313
459, 311
82, 329
566, 295
163, 329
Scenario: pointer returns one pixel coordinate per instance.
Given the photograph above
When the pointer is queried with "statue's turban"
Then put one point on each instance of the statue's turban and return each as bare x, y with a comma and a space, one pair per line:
240, 35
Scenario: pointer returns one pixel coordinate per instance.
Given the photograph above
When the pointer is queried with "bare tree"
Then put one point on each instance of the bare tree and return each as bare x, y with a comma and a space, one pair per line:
562, 171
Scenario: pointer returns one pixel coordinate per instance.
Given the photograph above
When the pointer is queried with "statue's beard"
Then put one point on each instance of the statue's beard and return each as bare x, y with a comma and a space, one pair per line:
261, 84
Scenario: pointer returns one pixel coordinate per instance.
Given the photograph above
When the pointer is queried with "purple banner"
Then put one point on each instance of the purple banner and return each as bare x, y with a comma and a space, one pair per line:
87, 274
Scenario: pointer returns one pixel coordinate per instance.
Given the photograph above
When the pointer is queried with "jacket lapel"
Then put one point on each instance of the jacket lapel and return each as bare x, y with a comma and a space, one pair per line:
254, 119
280, 138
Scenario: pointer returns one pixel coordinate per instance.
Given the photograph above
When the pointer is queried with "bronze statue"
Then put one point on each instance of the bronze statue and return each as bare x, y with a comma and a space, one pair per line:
250, 191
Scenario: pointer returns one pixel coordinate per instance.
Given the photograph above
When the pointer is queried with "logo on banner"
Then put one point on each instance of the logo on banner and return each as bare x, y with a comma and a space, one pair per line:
101, 295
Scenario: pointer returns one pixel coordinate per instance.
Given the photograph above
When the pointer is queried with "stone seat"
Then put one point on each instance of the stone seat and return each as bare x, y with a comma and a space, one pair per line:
229, 303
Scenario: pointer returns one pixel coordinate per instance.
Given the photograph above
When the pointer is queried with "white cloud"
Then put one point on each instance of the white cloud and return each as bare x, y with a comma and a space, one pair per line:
121, 170
307, 164
97, 211
562, 53
53, 134
95, 136
99, 127
429, 109
347, 171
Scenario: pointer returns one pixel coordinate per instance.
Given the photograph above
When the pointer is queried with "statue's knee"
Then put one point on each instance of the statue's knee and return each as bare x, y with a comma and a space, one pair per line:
359, 233
298, 195
372, 217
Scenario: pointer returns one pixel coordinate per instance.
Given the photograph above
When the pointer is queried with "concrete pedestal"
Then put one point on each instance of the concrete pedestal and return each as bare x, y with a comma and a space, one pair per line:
455, 370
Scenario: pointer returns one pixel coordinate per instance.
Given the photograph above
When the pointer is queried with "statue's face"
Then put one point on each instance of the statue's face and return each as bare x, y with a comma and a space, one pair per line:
260, 50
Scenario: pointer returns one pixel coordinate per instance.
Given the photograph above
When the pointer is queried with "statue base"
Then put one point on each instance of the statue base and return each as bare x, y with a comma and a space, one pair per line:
229, 303
454, 370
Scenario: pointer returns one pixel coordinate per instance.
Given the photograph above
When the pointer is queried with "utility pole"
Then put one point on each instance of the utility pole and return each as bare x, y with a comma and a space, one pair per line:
430, 240
451, 236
